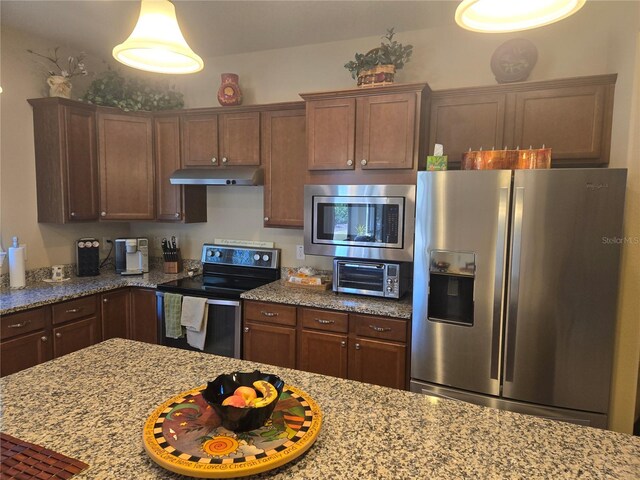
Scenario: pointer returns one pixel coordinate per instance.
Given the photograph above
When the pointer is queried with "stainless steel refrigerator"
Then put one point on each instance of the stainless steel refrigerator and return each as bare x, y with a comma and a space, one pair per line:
515, 289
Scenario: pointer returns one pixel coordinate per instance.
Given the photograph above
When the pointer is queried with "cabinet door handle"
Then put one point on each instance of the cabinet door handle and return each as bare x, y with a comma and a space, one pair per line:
73, 214
246, 329
105, 300
44, 338
363, 162
357, 346
224, 160
268, 314
266, 219
214, 160
20, 325
349, 162
73, 310
177, 215
58, 335
103, 214
324, 322
343, 344
379, 329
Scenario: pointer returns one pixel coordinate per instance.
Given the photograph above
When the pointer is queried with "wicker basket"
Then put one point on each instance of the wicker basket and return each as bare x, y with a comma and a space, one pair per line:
376, 76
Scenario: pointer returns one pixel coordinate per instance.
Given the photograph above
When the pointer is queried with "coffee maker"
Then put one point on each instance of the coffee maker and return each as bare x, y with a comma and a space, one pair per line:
132, 256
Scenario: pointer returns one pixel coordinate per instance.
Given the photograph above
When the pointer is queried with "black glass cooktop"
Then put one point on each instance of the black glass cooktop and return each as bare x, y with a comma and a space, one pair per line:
223, 287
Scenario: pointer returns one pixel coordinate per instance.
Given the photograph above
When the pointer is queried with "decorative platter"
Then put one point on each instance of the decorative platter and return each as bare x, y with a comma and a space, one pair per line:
185, 435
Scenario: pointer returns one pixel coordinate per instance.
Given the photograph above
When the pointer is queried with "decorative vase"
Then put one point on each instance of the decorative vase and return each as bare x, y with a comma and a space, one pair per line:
59, 86
229, 92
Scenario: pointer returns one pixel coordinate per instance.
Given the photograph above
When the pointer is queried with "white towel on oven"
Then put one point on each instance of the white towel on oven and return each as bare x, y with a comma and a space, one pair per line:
194, 317
193, 312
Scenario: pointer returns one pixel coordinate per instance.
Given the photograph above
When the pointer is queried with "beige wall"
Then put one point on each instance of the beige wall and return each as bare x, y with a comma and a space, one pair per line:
601, 38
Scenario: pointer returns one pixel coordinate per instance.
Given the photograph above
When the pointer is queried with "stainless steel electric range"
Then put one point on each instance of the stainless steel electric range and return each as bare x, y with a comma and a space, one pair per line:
226, 273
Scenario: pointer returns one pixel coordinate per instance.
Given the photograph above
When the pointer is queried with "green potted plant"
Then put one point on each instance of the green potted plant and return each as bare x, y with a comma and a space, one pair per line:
379, 65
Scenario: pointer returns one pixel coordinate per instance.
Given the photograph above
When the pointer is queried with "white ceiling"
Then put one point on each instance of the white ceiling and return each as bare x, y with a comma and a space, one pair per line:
215, 28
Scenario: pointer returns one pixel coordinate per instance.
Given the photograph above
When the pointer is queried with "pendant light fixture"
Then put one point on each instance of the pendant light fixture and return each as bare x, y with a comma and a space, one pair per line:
498, 16
156, 43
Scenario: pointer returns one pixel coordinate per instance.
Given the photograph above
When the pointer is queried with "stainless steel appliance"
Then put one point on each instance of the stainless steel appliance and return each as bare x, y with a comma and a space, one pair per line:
389, 280
360, 221
515, 288
226, 273
87, 257
132, 256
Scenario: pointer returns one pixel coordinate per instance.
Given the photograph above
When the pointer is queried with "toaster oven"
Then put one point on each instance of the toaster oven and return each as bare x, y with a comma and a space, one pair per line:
389, 280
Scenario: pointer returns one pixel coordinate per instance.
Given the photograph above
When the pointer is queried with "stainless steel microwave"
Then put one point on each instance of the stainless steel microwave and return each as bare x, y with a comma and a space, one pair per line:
360, 221
380, 279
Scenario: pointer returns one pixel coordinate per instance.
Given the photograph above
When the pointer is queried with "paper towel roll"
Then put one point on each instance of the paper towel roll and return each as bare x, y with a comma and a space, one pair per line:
16, 267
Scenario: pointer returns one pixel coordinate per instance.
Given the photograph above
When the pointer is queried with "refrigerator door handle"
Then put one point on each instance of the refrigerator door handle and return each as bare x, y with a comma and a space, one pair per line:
514, 284
498, 288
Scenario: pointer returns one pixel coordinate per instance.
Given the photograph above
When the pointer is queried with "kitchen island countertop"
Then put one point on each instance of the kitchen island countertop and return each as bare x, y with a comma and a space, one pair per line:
92, 405
280, 292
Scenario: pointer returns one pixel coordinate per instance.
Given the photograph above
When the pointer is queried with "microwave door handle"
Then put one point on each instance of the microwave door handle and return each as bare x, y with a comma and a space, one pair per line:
354, 265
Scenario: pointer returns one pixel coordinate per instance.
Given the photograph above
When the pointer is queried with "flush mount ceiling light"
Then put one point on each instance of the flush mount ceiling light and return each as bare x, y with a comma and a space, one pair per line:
513, 15
156, 43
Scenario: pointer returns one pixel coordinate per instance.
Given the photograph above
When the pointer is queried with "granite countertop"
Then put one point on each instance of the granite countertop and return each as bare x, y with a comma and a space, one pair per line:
43, 293
280, 292
92, 405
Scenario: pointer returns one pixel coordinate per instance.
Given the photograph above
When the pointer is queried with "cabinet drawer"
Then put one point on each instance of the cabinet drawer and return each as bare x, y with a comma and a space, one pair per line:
81, 307
22, 322
380, 327
325, 320
270, 313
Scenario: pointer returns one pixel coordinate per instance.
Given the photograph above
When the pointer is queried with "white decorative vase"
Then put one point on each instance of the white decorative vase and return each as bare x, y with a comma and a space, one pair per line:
59, 86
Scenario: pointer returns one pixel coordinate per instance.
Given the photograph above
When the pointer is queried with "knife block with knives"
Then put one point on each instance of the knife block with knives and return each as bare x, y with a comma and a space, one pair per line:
171, 256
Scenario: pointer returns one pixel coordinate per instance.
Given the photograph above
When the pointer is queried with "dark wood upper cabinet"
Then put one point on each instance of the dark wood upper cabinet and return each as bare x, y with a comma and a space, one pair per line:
284, 157
573, 116
125, 156
66, 160
174, 203
200, 140
374, 130
239, 138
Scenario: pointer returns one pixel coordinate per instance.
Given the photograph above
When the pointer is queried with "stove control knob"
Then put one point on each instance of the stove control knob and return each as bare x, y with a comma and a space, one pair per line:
217, 254
209, 253
256, 257
265, 258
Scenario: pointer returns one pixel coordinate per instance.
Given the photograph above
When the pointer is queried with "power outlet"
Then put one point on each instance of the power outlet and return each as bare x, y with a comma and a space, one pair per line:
300, 252
106, 243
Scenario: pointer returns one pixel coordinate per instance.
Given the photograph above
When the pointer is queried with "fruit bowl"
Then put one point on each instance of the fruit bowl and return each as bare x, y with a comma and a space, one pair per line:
249, 417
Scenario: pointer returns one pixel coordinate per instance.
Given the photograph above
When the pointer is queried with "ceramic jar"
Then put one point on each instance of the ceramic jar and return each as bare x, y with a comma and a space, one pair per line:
229, 92
59, 86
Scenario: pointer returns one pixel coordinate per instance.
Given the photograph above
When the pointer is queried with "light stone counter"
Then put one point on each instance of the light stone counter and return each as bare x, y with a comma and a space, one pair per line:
92, 405
41, 293
280, 292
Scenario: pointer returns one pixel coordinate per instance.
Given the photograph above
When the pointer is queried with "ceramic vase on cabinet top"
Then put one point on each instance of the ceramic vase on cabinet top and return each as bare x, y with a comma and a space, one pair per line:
59, 86
229, 92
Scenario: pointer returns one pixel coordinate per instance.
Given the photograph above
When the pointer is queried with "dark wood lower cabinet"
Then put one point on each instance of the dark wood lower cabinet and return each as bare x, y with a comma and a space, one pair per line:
115, 309
324, 353
270, 344
381, 363
24, 352
144, 323
75, 335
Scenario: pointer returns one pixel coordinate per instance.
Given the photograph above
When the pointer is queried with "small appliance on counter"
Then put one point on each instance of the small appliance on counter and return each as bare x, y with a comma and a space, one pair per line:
87, 257
378, 279
132, 256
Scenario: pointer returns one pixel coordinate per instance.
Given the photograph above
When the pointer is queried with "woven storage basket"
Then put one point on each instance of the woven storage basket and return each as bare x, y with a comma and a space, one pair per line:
376, 76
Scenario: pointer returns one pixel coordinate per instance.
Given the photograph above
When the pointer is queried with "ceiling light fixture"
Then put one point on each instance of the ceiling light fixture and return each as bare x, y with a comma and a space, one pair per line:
498, 16
156, 43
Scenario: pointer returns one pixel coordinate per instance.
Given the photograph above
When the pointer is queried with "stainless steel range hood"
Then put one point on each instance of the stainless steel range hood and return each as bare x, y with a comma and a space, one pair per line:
219, 176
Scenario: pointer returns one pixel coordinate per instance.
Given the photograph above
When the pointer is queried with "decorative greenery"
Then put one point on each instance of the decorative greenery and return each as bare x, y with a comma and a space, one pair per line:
112, 90
74, 66
388, 53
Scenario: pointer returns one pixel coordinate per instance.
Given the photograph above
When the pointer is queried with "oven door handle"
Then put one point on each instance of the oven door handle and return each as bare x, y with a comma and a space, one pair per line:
213, 301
